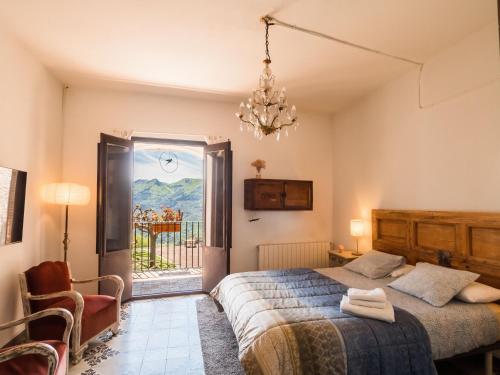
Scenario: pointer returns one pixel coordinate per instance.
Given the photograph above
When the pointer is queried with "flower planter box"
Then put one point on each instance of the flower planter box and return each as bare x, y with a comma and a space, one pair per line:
166, 227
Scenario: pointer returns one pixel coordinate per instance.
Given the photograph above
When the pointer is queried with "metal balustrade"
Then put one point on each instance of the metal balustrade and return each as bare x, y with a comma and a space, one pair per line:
167, 246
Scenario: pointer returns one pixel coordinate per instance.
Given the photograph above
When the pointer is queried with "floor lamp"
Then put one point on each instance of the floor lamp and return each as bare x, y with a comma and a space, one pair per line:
66, 194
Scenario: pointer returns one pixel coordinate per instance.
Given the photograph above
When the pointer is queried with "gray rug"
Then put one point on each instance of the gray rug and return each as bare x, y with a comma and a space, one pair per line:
218, 343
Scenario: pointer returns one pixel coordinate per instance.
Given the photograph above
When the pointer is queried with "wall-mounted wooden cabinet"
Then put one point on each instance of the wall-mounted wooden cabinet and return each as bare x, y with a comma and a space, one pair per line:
264, 194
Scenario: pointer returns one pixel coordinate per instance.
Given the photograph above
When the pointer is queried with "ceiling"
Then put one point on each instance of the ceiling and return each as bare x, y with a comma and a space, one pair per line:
215, 48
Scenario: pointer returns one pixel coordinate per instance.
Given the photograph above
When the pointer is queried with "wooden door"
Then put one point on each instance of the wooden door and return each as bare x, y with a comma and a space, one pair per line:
298, 195
217, 212
264, 194
114, 211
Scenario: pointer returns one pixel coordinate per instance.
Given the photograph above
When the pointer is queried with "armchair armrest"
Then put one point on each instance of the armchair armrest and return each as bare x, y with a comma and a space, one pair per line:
41, 314
33, 348
117, 280
74, 295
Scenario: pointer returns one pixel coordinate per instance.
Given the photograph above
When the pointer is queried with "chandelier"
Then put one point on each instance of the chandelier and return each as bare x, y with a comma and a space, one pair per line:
266, 111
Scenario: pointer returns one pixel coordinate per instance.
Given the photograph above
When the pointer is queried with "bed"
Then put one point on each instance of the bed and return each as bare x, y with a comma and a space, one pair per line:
289, 321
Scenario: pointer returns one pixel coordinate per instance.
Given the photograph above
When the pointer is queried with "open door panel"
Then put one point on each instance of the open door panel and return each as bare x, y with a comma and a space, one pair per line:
218, 214
114, 211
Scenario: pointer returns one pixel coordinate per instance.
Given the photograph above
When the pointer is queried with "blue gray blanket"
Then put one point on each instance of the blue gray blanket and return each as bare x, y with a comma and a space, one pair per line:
289, 322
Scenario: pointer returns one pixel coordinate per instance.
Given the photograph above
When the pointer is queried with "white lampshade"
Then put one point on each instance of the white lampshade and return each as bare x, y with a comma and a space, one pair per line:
357, 229
66, 193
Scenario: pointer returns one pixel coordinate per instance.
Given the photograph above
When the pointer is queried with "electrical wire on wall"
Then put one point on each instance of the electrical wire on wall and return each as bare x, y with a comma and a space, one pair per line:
273, 21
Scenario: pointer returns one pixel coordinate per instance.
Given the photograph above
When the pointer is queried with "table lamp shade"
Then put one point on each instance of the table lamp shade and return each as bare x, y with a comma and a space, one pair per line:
357, 229
66, 193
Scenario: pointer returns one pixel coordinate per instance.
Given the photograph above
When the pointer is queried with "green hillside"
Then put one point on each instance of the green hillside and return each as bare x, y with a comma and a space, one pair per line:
185, 195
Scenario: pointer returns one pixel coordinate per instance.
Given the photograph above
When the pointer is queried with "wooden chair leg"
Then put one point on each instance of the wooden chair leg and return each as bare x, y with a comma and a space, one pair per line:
115, 328
488, 363
77, 356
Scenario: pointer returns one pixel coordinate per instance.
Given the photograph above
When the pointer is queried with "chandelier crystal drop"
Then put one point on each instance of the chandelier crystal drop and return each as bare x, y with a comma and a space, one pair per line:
266, 111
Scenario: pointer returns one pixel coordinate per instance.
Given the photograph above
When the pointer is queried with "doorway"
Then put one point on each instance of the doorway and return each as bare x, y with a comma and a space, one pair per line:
168, 226
164, 214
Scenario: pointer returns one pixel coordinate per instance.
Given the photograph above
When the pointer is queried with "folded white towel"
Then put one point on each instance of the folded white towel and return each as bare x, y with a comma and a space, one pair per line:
372, 304
386, 314
375, 295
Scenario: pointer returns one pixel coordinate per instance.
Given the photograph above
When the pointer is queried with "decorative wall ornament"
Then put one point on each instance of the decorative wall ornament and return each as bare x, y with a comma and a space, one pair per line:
266, 111
212, 139
122, 133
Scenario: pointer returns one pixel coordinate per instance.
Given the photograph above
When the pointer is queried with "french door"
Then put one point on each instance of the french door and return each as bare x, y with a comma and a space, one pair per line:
114, 211
218, 213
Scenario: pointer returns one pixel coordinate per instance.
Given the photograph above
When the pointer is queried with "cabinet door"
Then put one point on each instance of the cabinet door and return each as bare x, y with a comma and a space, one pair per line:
268, 195
298, 195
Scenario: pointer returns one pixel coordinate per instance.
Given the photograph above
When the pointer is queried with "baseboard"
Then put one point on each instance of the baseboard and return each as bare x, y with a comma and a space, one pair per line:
163, 295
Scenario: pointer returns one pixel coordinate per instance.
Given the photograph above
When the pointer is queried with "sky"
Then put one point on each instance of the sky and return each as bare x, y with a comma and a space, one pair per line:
147, 164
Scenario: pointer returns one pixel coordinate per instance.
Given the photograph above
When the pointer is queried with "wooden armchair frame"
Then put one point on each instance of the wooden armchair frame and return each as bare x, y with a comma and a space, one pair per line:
77, 348
39, 347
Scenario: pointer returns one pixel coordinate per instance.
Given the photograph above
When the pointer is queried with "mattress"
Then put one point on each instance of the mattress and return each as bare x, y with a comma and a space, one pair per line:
455, 328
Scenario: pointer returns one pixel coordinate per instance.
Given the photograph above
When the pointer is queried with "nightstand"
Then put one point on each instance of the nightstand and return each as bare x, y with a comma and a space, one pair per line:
337, 259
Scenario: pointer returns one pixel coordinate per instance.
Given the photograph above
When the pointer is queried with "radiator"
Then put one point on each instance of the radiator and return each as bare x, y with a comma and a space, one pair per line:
294, 255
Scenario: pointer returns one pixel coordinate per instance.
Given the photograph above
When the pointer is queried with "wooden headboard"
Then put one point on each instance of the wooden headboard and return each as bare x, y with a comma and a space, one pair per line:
462, 240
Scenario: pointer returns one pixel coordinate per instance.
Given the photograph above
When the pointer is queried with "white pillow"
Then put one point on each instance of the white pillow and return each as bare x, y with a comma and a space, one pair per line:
403, 270
478, 293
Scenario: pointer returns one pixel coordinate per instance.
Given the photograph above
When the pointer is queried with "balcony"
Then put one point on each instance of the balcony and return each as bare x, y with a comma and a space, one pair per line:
166, 257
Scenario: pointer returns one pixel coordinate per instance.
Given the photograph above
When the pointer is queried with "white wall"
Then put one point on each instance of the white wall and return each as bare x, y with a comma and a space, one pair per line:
390, 154
30, 140
306, 154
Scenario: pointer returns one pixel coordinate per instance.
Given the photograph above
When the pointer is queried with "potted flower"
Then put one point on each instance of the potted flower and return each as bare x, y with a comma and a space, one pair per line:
259, 165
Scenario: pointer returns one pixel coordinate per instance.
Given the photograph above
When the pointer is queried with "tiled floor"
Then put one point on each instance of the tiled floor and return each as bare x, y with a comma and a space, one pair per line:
146, 284
158, 337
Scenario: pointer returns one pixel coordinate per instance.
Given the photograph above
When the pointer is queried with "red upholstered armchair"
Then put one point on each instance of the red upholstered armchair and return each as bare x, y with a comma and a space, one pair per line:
50, 285
48, 357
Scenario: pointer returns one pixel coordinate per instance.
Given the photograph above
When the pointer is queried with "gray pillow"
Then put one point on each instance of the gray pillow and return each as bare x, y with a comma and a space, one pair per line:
434, 284
375, 264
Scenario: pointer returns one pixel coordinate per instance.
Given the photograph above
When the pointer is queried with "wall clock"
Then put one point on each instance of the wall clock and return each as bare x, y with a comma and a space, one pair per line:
168, 161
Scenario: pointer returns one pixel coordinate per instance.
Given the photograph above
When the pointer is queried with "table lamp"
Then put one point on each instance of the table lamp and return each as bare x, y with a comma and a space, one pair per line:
67, 194
357, 231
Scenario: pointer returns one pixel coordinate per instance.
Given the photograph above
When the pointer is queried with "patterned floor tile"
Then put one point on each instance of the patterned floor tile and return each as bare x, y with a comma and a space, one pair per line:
157, 337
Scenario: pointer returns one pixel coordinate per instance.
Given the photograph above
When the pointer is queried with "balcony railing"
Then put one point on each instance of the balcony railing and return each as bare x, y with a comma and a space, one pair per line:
167, 245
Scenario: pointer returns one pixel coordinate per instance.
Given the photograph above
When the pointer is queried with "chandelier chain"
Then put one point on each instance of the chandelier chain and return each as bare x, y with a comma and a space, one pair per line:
268, 56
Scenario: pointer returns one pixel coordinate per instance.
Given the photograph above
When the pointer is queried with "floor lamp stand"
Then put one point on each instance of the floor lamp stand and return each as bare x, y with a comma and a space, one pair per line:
66, 238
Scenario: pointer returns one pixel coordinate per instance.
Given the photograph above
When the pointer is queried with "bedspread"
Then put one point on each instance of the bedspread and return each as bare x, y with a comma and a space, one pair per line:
455, 328
289, 322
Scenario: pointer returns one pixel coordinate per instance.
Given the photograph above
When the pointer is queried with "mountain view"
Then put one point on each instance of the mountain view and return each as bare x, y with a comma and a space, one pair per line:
169, 175
185, 194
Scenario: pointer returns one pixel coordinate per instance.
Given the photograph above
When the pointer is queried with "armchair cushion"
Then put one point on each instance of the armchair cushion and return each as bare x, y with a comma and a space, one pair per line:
99, 312
35, 364
47, 277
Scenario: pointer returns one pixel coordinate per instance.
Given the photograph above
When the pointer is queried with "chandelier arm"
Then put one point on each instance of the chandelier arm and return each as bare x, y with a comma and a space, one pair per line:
274, 119
247, 122
289, 123
258, 120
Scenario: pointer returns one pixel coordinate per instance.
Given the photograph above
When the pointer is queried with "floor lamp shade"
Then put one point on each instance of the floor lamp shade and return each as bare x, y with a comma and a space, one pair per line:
67, 194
